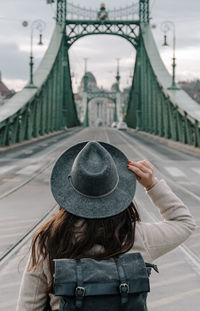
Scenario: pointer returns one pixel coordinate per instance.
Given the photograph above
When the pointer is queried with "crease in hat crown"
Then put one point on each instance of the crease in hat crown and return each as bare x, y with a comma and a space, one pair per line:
94, 173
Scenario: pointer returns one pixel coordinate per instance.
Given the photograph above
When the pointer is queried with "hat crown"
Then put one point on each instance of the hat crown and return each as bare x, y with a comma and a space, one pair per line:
94, 172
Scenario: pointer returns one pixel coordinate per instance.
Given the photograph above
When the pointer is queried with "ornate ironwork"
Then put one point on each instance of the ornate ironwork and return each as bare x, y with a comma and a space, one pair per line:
61, 12
144, 11
152, 106
123, 22
75, 12
102, 94
77, 29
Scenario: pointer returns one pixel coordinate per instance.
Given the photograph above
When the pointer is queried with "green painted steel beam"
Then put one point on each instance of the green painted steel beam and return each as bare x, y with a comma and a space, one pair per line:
152, 107
101, 23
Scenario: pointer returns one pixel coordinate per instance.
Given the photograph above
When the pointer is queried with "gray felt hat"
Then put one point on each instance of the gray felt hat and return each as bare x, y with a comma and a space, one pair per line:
91, 180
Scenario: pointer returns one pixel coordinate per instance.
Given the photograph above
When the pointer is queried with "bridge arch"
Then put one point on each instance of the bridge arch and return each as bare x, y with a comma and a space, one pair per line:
153, 107
127, 30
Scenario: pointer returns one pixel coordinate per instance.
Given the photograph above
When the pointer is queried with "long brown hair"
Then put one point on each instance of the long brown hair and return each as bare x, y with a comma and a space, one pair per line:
68, 236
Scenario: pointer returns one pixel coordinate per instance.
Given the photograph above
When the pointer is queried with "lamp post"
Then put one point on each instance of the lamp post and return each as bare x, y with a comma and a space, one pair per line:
38, 25
118, 74
165, 27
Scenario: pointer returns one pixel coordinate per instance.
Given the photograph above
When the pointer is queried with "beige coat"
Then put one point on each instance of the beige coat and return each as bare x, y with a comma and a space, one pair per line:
151, 239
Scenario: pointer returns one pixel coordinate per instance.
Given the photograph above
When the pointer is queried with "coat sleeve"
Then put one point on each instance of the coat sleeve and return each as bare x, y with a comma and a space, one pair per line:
32, 296
177, 225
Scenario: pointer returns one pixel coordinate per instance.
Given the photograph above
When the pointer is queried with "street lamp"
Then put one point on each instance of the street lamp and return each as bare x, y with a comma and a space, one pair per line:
118, 74
38, 25
165, 27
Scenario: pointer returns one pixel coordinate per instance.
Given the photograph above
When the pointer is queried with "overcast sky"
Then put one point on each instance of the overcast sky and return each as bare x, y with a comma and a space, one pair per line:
101, 51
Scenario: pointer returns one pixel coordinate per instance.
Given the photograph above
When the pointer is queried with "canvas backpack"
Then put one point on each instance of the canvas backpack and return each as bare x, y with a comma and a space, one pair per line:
117, 284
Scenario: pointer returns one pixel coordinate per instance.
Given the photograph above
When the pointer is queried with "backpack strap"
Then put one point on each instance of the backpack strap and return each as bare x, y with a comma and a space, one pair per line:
149, 266
80, 290
123, 287
48, 306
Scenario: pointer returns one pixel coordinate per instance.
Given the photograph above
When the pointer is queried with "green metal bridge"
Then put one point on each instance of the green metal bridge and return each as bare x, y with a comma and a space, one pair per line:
49, 106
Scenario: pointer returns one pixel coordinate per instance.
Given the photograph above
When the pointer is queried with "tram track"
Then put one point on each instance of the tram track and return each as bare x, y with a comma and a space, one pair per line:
58, 146
42, 169
181, 187
25, 237
22, 240
184, 265
4, 258
4, 195
193, 259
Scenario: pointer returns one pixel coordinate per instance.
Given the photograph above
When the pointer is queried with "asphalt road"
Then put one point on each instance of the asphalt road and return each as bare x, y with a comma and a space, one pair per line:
25, 199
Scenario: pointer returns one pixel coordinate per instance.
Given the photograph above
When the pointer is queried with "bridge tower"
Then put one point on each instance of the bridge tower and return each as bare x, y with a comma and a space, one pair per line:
152, 107
144, 11
61, 12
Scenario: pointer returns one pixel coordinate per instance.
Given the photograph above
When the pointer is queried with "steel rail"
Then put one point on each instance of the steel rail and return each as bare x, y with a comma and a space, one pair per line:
38, 172
25, 237
193, 259
22, 240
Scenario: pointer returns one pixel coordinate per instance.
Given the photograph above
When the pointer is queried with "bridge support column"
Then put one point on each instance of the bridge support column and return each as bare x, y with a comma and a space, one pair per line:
140, 90
144, 11
61, 12
197, 134
85, 105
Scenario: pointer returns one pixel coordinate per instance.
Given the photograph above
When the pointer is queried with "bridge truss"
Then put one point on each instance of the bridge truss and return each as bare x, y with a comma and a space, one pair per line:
152, 106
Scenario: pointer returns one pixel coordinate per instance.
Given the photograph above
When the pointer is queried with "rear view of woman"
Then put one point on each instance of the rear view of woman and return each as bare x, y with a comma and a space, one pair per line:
98, 219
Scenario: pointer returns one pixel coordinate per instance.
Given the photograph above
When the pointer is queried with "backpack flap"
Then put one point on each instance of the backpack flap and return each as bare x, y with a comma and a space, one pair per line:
126, 274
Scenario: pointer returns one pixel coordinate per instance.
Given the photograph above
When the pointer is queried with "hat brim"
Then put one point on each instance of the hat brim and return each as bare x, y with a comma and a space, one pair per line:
80, 205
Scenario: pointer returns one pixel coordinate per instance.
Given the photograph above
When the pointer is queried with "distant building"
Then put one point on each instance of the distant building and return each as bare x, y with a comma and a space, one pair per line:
5, 93
192, 88
101, 108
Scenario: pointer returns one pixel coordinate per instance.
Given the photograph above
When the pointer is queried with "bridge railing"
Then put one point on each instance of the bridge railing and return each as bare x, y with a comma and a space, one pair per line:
153, 107
76, 12
37, 111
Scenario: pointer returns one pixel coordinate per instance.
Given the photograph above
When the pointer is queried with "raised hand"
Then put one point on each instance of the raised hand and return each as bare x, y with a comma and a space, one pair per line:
144, 172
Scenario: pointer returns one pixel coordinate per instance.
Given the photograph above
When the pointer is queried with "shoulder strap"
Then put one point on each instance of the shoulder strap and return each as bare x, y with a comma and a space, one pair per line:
48, 306
80, 290
150, 265
123, 287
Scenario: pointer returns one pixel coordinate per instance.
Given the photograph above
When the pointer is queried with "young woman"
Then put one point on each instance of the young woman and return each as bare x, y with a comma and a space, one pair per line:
94, 185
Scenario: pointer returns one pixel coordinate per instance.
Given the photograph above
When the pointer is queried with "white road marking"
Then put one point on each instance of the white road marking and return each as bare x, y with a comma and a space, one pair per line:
5, 169
167, 300
174, 171
174, 280
196, 169
8, 304
11, 179
171, 264
8, 229
11, 235
9, 285
18, 221
8, 218
28, 151
43, 145
186, 182
28, 170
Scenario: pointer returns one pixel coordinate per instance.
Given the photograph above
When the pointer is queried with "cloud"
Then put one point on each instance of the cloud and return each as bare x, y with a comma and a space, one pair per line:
16, 66
18, 83
101, 51
102, 58
13, 62
96, 3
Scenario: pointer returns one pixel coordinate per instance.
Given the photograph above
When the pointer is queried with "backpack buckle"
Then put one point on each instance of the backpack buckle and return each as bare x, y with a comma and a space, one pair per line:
80, 291
124, 288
